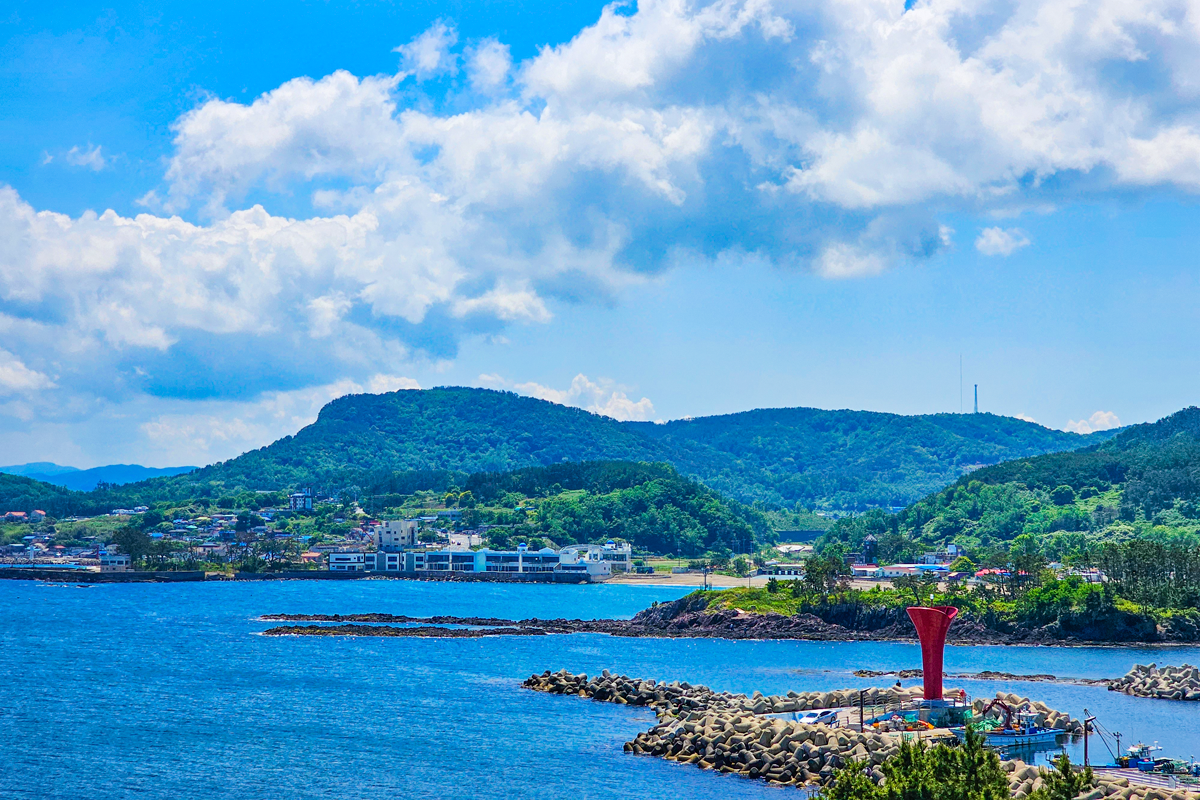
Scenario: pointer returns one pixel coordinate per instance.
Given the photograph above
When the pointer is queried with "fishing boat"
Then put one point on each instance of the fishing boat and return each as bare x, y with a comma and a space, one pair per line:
1024, 732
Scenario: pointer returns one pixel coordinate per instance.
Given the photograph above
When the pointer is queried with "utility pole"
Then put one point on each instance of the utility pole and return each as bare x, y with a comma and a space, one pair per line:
1087, 728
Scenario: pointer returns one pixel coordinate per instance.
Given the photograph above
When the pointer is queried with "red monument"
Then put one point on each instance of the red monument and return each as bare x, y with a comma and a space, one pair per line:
932, 624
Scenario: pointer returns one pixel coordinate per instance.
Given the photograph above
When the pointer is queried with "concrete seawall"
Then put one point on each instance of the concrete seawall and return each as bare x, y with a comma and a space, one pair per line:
86, 576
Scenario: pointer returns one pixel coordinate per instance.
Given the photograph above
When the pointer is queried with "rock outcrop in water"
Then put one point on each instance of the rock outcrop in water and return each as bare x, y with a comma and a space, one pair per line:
691, 617
1164, 683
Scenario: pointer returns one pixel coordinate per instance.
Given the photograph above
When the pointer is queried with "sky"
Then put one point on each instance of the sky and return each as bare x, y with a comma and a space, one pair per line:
218, 217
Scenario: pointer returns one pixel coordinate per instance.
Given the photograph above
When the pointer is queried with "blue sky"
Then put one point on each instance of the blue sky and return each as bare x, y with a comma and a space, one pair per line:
216, 218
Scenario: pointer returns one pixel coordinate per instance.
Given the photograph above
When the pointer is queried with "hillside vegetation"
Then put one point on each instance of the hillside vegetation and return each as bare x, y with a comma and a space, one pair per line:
775, 457
1143, 484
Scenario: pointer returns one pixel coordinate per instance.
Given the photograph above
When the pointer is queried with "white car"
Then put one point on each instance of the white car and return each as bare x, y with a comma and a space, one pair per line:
825, 716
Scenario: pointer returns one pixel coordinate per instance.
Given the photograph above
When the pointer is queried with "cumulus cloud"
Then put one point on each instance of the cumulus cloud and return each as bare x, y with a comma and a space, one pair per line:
826, 135
602, 396
1026, 418
88, 157
16, 378
208, 431
429, 54
489, 64
1001, 241
1100, 421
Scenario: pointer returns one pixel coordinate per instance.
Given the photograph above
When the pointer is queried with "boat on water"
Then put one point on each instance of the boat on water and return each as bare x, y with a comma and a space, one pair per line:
1023, 732
1142, 758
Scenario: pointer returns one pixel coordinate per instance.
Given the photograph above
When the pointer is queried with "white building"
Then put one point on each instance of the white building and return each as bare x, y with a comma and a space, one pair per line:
115, 562
619, 557
393, 535
347, 562
301, 500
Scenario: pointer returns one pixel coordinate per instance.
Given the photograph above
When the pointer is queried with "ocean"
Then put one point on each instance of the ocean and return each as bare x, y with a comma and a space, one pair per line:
148, 690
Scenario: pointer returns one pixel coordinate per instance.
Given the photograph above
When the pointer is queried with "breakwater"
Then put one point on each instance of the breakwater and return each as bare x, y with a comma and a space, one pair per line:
1163, 683
732, 733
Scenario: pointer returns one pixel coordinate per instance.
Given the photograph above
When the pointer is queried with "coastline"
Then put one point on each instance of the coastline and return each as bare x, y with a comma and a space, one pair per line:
661, 622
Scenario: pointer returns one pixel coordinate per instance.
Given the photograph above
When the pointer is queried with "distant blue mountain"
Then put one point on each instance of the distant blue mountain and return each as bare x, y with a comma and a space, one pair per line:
84, 480
38, 469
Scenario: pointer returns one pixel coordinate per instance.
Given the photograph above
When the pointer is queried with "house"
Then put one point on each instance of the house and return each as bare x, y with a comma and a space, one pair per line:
36, 515
898, 570
16, 516
310, 557
867, 571
115, 562
795, 570
618, 556
355, 561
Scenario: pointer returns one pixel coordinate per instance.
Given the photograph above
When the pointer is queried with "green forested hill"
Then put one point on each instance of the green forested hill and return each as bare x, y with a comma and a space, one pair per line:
779, 457
1144, 483
846, 459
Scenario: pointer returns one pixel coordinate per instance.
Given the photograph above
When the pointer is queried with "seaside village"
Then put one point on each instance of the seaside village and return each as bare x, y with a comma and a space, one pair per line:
437, 544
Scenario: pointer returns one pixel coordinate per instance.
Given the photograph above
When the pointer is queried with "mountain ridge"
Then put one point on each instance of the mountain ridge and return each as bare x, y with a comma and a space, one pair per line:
84, 480
777, 457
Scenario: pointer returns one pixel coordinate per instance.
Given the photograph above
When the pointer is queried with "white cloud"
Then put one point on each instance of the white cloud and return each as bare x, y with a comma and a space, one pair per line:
1001, 241
89, 157
429, 54
1100, 421
1027, 418
215, 430
16, 378
602, 396
841, 130
488, 64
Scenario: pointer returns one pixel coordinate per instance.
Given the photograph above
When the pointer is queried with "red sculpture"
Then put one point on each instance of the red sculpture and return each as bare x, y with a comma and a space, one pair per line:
932, 624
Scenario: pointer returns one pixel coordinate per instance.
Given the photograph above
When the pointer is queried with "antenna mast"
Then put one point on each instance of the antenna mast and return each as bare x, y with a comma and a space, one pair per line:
977, 398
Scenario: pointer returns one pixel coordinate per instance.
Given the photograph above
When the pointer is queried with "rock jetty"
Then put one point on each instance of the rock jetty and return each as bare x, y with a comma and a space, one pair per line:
733, 733
1164, 683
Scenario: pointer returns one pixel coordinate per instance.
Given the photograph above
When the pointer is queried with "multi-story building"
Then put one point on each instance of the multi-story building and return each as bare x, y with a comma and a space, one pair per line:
393, 535
619, 557
301, 500
115, 562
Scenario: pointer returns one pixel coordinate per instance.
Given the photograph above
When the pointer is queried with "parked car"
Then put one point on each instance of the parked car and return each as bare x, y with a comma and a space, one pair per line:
824, 716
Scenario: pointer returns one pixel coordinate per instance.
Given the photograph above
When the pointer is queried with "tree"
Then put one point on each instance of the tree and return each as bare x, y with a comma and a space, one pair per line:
917, 772
1064, 783
772, 585
741, 566
132, 541
962, 564
912, 584
1062, 496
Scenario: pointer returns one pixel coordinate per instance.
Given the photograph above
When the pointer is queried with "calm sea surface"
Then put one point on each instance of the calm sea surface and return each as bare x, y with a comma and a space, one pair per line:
120, 691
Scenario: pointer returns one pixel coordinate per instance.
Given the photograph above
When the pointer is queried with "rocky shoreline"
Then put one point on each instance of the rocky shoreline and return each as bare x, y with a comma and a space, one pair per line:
731, 733
1162, 683
418, 632
690, 617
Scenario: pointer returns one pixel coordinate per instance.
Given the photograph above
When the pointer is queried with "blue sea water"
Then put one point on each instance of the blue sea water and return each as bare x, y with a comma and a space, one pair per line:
140, 690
